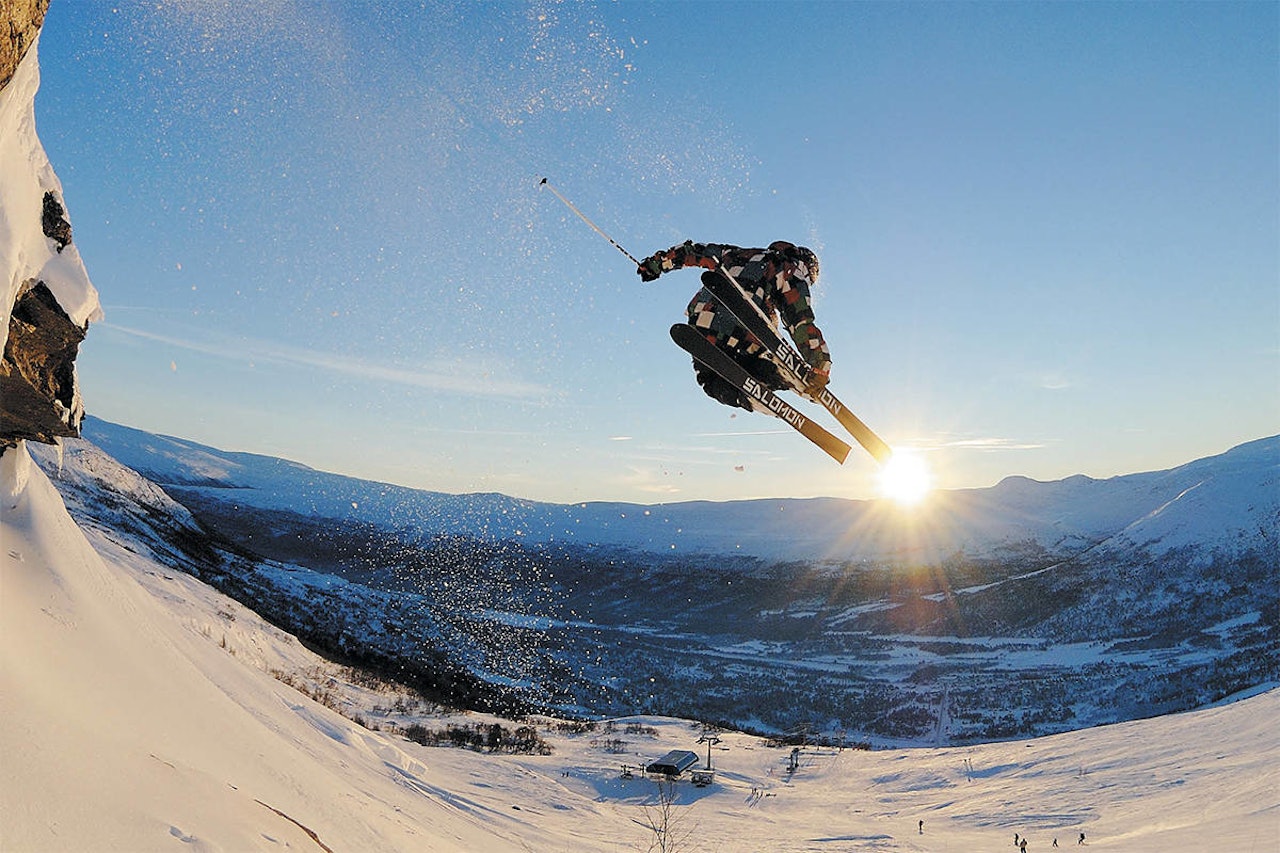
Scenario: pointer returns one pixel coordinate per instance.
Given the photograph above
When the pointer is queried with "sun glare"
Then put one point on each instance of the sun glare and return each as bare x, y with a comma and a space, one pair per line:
905, 478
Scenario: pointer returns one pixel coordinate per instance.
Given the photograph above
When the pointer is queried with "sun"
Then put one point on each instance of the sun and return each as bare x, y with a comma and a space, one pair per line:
905, 478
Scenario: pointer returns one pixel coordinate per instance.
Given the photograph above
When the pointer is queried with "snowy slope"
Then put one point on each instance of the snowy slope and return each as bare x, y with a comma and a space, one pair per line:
1228, 501
139, 715
124, 730
872, 648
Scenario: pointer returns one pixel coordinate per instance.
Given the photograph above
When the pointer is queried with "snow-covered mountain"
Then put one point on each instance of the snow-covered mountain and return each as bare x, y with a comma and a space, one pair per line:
1091, 595
142, 710
1231, 501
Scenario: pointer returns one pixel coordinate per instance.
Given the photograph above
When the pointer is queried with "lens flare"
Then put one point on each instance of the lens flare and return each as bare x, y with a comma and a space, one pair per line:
905, 478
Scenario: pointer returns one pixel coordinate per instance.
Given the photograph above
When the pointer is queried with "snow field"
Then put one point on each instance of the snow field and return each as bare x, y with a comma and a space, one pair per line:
144, 710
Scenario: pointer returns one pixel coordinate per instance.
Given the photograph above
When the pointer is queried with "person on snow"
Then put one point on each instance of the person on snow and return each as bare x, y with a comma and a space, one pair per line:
779, 279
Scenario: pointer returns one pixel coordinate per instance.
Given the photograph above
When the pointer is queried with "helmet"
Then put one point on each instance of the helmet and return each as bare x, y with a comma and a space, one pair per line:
797, 253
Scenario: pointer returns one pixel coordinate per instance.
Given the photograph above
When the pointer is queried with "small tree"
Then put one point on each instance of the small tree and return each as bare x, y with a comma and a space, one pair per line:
670, 835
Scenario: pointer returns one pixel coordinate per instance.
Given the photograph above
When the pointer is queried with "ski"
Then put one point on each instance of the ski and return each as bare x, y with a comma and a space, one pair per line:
729, 293
693, 342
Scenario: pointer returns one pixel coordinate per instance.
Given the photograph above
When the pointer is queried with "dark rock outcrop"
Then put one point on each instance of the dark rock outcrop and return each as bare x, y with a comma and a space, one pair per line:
37, 375
53, 221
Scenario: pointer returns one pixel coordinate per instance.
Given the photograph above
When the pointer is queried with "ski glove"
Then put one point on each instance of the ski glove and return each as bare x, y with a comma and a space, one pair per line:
817, 381
650, 268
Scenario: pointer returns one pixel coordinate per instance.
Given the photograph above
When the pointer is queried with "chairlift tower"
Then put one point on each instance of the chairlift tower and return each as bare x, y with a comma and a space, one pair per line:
710, 740
703, 778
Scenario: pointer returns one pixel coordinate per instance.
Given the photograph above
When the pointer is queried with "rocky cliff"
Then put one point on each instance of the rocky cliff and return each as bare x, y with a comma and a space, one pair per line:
22, 20
48, 301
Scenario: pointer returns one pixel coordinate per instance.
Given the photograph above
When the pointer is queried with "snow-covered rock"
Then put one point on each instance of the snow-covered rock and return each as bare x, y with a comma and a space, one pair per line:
46, 298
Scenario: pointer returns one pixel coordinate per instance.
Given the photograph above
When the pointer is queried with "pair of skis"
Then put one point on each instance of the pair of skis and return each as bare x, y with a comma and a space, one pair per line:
729, 293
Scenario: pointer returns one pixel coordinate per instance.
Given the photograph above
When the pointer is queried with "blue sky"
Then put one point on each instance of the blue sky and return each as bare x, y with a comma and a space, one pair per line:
1048, 232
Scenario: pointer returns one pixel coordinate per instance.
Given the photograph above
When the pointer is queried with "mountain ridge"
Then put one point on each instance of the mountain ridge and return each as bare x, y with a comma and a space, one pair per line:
1102, 600
229, 735
1065, 516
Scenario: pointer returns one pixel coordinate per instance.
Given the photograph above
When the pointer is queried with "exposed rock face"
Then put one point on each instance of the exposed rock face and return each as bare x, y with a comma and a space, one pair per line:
20, 21
37, 376
38, 393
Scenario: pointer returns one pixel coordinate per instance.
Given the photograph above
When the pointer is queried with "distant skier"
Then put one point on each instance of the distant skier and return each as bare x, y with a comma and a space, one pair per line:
779, 279
922, 827
1081, 841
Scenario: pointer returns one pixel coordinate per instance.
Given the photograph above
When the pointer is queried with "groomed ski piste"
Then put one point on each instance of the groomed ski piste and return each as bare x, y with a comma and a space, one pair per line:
144, 711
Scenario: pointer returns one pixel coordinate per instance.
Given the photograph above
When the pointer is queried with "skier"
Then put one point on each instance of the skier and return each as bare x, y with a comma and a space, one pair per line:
778, 279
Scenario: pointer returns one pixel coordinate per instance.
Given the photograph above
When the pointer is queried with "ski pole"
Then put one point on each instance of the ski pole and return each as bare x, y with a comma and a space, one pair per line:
581, 216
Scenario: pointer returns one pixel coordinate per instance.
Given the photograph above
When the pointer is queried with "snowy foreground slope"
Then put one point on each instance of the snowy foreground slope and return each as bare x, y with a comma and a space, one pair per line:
140, 713
124, 729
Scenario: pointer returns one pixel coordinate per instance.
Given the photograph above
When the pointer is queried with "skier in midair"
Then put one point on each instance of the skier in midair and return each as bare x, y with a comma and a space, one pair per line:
779, 279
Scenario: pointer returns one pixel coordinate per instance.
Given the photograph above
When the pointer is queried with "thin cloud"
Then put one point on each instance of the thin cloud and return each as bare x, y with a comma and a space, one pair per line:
452, 377
989, 444
740, 433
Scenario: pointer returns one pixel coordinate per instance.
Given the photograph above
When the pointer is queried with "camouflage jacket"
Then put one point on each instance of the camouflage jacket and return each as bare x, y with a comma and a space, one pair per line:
777, 284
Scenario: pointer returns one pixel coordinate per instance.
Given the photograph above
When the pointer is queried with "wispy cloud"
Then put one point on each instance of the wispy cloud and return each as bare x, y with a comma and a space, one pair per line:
982, 444
740, 433
455, 377
989, 444
1055, 382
